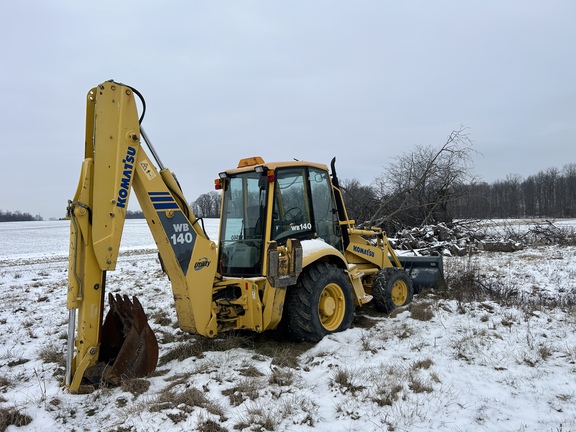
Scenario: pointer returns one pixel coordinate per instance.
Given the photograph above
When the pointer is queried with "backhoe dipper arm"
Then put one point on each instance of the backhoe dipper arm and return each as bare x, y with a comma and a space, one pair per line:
114, 164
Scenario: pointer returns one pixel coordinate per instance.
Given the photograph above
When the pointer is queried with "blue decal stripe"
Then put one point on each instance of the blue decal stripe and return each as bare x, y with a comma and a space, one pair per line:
165, 206
162, 200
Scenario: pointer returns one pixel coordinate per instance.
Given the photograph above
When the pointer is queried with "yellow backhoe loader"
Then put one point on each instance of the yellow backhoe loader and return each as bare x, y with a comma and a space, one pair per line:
287, 257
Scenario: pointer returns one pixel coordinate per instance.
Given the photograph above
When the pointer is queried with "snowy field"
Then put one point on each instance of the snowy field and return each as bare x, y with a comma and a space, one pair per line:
442, 364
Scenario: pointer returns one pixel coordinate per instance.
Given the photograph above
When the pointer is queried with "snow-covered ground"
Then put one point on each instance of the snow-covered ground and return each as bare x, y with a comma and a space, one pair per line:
441, 364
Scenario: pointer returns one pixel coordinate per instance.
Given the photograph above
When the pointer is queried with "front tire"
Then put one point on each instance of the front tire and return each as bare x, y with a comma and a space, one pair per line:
392, 288
320, 303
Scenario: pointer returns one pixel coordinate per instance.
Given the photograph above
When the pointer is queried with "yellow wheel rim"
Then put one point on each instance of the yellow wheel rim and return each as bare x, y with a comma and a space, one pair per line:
331, 307
399, 292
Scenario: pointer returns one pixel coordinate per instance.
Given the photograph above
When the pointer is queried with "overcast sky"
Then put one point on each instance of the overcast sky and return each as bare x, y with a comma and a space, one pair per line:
364, 81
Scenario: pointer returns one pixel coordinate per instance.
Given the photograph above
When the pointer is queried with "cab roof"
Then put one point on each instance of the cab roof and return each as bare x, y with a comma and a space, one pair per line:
250, 164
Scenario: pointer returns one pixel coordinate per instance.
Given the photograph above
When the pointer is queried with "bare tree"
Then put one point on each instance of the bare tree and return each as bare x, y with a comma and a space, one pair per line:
361, 201
507, 197
207, 205
417, 188
530, 198
473, 201
569, 193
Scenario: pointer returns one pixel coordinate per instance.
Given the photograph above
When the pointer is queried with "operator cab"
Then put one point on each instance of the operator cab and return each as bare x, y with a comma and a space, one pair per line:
275, 202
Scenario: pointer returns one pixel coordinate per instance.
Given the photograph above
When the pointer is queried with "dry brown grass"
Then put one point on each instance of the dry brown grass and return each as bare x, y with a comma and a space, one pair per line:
347, 380
421, 310
52, 354
184, 400
282, 377
4, 382
246, 389
196, 346
136, 386
423, 364
209, 425
250, 370
282, 352
13, 417
418, 385
257, 418
466, 284
386, 395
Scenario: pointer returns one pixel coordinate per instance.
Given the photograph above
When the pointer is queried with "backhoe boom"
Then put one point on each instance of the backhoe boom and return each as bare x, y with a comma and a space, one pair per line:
115, 163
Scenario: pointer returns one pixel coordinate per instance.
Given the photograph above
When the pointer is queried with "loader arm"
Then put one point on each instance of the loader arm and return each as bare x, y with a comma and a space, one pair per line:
115, 164
369, 250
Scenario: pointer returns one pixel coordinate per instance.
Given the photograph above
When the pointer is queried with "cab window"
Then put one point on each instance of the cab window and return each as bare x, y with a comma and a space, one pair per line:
325, 214
291, 213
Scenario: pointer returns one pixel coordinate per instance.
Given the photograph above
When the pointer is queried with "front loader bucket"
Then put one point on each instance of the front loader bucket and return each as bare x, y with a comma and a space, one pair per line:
129, 348
425, 271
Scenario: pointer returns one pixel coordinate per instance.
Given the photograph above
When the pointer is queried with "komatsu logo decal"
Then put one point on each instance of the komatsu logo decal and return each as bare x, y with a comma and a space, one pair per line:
363, 251
126, 177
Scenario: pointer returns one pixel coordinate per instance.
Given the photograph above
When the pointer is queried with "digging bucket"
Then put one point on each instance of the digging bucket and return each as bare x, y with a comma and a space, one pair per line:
129, 348
425, 271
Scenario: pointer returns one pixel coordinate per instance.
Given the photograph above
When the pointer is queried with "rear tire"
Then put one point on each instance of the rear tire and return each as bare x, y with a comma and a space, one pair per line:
320, 303
392, 288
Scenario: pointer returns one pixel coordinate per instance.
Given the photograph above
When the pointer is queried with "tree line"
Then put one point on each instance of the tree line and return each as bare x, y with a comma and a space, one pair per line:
17, 216
429, 185
7, 216
550, 193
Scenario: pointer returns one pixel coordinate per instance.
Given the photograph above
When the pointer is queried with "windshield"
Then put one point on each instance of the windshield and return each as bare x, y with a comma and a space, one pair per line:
304, 206
242, 229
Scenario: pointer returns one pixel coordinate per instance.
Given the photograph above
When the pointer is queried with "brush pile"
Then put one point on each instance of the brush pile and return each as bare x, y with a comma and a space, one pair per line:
457, 240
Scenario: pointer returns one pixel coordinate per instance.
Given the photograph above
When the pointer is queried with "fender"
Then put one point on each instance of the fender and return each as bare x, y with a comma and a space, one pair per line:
314, 250
317, 250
